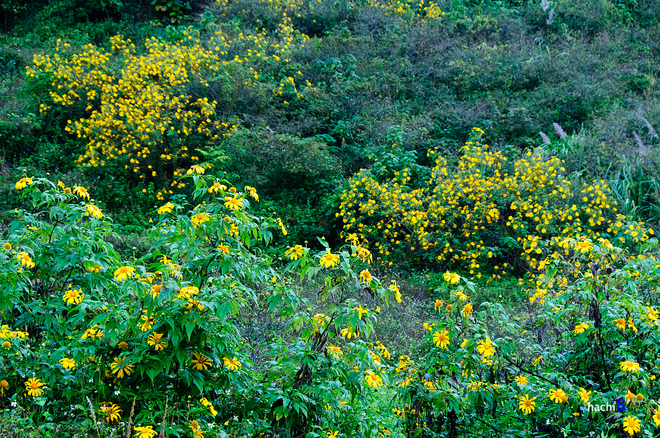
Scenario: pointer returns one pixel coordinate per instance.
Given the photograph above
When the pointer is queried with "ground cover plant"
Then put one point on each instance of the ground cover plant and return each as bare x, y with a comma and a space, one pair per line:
329, 219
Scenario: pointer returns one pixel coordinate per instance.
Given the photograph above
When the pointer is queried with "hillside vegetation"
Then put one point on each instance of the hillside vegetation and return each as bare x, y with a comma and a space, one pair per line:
329, 219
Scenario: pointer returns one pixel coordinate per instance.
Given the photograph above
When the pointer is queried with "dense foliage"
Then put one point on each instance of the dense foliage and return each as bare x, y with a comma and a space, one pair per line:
322, 218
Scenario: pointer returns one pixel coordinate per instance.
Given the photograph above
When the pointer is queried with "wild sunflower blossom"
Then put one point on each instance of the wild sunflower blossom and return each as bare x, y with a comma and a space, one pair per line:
441, 339
3, 385
94, 211
67, 364
231, 364
366, 276
631, 425
629, 366
73, 296
200, 362
558, 395
23, 182
25, 259
145, 431
199, 218
124, 273
121, 367
397, 292
329, 260
155, 340
295, 252
372, 379
33, 387
486, 348
580, 328
167, 208
452, 277
521, 380
526, 404
111, 412
584, 395
335, 351
234, 203
81, 192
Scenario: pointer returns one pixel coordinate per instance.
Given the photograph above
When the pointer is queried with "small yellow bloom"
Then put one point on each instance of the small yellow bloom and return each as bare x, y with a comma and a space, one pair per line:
631, 425
441, 339
145, 431
120, 366
231, 364
200, 362
329, 260
33, 387
23, 182
365, 276
67, 363
124, 273
526, 404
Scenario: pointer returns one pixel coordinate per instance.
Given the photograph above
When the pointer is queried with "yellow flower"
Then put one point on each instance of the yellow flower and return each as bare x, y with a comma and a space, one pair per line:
438, 305
538, 360
95, 269
467, 310
7, 246
33, 387
124, 273
332, 434
111, 412
441, 339
25, 259
521, 380
123, 345
452, 277
92, 333
620, 323
335, 351
235, 203
145, 431
167, 208
120, 366
580, 328
656, 416
73, 296
584, 246
215, 188
329, 260
486, 349
199, 218
629, 366
200, 362
558, 395
23, 182
94, 211
231, 364
81, 192
397, 293
3, 385
365, 276
631, 425
361, 311
147, 322
295, 252
195, 169
584, 395
67, 363
154, 339
372, 379
526, 404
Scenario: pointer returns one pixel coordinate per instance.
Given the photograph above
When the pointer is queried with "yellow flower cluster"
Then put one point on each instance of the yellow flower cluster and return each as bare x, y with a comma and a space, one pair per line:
463, 213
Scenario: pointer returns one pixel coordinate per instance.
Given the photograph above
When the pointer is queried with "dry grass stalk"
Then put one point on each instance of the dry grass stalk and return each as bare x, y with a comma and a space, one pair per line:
129, 428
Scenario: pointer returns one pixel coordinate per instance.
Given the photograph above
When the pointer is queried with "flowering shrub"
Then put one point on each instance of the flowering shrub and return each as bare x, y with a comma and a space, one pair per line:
590, 366
480, 213
136, 339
